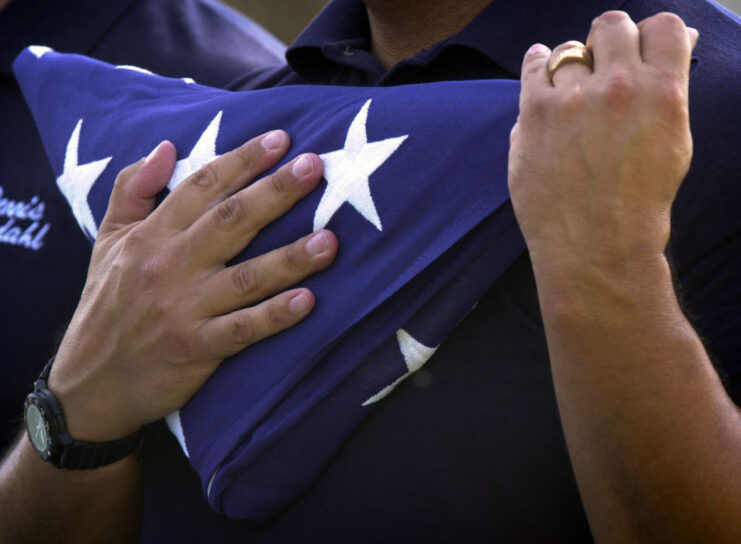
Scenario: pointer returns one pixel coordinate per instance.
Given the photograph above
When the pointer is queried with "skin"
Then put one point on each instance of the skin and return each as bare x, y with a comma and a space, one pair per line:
401, 29
596, 160
158, 322
159, 312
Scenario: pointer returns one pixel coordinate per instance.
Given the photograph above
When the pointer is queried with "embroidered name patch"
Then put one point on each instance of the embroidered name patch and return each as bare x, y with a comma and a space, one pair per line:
22, 222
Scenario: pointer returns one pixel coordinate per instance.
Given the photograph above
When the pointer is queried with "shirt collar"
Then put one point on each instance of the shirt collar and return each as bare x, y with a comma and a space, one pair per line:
502, 32
66, 26
340, 24
518, 24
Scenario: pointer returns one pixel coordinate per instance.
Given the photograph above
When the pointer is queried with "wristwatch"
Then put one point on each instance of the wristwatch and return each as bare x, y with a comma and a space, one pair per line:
47, 432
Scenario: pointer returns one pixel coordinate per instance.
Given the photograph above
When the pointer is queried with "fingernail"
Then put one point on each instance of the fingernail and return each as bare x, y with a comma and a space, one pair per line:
318, 244
537, 49
273, 140
153, 153
299, 304
694, 34
303, 166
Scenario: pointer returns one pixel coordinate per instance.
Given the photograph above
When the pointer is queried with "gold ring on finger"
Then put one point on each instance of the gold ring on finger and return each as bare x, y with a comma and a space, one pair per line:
576, 53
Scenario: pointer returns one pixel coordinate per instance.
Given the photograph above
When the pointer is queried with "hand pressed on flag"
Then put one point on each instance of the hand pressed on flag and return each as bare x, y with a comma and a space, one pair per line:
415, 190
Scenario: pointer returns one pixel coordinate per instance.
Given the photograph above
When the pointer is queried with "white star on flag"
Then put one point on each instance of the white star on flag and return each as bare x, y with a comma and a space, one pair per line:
203, 152
347, 171
134, 69
76, 181
176, 427
415, 354
39, 50
188, 80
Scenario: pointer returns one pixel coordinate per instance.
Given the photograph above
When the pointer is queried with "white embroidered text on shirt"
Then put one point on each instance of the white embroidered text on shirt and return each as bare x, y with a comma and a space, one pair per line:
14, 218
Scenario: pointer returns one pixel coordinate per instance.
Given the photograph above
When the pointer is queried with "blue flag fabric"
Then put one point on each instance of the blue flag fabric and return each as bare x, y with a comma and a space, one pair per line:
415, 189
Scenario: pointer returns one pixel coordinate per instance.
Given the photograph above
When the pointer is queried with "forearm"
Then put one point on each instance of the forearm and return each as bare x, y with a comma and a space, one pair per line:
653, 437
44, 504
160, 310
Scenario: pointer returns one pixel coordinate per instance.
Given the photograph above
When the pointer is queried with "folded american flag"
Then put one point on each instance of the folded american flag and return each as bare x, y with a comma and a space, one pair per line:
415, 189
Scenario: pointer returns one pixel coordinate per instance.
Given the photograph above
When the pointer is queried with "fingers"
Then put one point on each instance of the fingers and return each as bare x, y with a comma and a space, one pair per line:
221, 178
614, 39
229, 334
256, 279
666, 43
694, 36
569, 73
534, 74
226, 229
137, 186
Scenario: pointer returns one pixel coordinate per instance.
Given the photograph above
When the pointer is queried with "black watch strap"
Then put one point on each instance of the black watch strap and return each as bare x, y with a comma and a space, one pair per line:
79, 455
68, 453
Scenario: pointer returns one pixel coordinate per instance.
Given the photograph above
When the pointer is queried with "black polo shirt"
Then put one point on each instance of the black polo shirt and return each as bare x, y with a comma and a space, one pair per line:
471, 449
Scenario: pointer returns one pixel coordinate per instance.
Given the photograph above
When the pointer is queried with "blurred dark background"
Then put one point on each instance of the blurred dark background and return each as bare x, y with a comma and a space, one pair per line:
286, 18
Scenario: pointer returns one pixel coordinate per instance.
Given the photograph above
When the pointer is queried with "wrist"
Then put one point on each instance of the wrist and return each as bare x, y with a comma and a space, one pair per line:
90, 406
47, 430
572, 287
88, 417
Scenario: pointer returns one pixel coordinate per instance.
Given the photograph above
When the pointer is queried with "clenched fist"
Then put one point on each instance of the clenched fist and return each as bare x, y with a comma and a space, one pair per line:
598, 154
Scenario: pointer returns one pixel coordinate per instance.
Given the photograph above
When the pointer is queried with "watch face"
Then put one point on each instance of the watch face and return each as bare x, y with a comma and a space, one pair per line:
37, 430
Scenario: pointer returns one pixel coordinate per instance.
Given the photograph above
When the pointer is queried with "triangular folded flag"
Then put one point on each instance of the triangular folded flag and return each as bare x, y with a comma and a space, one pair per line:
415, 189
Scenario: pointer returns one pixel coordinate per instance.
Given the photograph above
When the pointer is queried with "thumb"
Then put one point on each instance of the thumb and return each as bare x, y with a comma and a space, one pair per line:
137, 186
694, 35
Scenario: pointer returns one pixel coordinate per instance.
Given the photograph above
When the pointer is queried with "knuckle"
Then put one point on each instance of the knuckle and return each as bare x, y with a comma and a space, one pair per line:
122, 184
275, 316
245, 278
135, 241
571, 102
666, 19
619, 87
246, 156
154, 263
567, 45
229, 212
181, 343
156, 270
671, 99
292, 257
535, 108
164, 309
278, 183
244, 330
515, 132
205, 177
613, 17
201, 340
124, 175
531, 69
